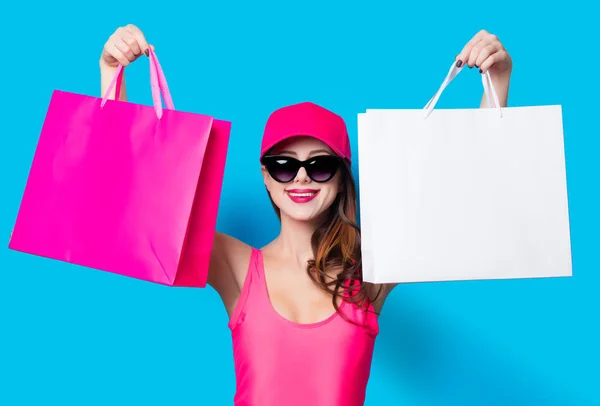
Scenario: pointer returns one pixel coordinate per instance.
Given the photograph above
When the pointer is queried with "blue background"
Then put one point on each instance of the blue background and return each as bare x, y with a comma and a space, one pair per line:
73, 336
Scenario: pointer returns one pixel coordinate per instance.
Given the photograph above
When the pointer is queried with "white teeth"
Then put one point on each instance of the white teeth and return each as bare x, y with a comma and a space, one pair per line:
301, 194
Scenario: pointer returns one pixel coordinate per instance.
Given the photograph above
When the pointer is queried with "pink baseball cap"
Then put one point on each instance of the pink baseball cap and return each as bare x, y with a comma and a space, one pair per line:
307, 119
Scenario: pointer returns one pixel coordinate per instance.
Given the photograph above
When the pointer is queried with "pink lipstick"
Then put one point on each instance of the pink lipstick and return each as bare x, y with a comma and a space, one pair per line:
302, 195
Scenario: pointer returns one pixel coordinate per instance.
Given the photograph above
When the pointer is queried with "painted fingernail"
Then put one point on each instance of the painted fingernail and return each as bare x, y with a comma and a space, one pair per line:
147, 52
477, 66
480, 70
458, 63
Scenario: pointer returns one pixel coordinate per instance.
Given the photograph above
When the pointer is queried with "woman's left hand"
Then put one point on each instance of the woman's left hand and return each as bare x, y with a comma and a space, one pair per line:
485, 52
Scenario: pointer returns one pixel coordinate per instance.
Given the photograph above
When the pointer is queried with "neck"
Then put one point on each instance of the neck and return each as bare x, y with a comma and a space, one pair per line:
294, 240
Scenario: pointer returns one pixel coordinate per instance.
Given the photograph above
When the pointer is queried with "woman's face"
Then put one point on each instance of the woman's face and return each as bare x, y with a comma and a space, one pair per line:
302, 198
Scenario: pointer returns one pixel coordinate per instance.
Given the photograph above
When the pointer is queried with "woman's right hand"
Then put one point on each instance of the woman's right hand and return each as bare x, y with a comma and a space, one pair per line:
124, 46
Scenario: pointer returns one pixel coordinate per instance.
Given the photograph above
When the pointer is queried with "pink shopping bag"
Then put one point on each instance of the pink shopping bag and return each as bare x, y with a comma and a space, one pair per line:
125, 188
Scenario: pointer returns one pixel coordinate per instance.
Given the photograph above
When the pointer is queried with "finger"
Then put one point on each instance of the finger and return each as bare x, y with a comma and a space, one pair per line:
132, 43
476, 51
486, 51
113, 51
492, 59
487, 39
473, 54
139, 36
463, 56
125, 50
150, 46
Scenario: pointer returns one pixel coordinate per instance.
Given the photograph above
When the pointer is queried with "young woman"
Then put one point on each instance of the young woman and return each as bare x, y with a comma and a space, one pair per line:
303, 322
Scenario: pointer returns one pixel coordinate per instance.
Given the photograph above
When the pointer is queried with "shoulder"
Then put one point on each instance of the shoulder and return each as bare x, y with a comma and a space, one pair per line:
230, 259
378, 293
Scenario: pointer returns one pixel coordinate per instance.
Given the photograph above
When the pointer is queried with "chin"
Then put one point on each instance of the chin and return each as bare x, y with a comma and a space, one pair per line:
306, 213
299, 216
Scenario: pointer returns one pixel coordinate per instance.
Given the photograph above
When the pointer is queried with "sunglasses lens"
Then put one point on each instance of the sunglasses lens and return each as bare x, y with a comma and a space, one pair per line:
322, 168
282, 169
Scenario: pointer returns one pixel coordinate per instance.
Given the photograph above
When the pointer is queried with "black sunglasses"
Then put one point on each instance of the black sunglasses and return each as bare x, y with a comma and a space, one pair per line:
284, 169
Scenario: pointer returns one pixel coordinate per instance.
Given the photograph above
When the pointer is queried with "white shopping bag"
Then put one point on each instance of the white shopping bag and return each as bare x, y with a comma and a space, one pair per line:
463, 194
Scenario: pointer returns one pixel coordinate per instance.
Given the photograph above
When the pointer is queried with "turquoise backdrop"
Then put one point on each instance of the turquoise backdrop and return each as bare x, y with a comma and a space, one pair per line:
74, 336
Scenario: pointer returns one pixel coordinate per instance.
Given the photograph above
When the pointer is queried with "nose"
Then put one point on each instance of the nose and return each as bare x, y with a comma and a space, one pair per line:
302, 176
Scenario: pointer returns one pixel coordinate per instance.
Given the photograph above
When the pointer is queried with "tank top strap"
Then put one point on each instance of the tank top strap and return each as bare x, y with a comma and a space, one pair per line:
365, 314
256, 263
251, 289
254, 291
348, 285
260, 293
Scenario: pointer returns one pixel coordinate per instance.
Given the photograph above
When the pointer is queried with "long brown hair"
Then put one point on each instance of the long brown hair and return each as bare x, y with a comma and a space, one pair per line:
336, 245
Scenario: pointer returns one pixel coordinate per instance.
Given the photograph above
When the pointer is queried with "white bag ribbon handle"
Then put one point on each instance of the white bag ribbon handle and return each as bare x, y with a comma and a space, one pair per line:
488, 87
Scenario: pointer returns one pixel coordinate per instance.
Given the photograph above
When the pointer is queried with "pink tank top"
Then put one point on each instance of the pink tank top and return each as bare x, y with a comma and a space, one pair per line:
282, 363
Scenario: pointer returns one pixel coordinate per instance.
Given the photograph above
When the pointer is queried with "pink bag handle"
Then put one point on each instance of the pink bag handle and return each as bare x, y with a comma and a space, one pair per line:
158, 84
162, 81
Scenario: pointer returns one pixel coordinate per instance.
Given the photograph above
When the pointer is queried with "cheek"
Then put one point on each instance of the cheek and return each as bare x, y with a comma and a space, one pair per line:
328, 194
334, 187
276, 189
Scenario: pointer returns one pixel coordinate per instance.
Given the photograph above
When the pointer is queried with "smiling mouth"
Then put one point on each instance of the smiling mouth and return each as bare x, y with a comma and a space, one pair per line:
302, 195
